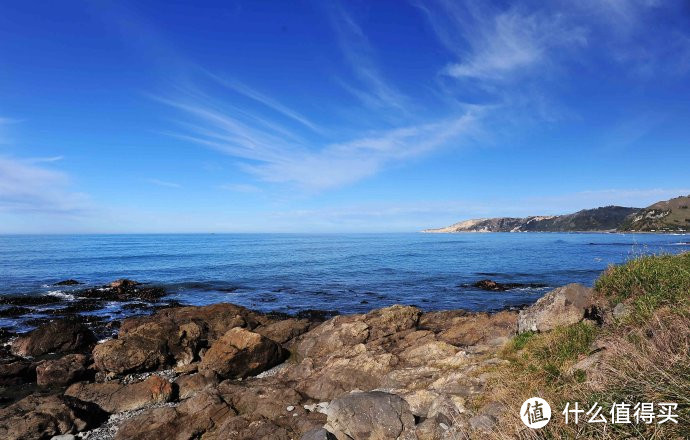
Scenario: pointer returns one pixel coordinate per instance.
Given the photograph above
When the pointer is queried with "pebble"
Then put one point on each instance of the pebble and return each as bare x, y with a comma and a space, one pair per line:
290, 408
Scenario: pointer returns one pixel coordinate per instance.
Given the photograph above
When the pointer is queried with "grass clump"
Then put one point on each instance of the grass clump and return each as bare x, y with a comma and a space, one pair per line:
648, 283
643, 358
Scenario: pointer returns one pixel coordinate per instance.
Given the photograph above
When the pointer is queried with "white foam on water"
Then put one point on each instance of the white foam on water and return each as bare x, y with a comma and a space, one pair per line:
60, 294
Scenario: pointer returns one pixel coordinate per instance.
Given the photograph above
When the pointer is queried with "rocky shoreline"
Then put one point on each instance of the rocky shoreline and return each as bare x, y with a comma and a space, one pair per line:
224, 371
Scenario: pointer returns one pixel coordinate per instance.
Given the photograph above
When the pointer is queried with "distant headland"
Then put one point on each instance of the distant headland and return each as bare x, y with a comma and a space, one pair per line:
665, 216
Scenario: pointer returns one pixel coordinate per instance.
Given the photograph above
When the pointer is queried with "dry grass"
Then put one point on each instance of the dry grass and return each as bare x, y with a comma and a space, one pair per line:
646, 359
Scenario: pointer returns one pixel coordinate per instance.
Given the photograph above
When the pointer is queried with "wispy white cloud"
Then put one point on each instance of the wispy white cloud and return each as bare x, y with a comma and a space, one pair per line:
266, 101
163, 183
496, 44
375, 91
274, 158
27, 187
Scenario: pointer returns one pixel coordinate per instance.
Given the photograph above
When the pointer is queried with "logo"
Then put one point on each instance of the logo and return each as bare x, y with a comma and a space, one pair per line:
535, 412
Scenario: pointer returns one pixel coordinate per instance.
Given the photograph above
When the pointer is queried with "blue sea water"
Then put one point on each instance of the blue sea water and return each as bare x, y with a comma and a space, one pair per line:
342, 272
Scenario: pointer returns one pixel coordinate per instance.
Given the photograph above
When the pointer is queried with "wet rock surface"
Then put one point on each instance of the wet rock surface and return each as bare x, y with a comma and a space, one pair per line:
502, 287
59, 336
224, 371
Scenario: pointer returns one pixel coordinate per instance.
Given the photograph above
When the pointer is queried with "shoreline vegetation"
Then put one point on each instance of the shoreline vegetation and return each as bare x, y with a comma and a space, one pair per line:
224, 371
670, 216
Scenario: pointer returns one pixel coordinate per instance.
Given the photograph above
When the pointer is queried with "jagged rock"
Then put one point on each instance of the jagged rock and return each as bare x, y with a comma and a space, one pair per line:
333, 335
269, 400
131, 354
115, 397
189, 420
69, 282
502, 287
428, 352
318, 434
16, 371
285, 330
190, 384
390, 320
170, 337
562, 306
240, 353
373, 415
479, 328
59, 336
62, 371
446, 409
364, 371
41, 417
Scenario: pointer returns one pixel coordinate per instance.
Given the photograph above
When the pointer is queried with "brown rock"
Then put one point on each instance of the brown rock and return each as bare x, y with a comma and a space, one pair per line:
41, 417
365, 371
190, 384
170, 337
285, 330
318, 434
390, 320
16, 371
562, 306
115, 397
373, 415
60, 336
131, 354
269, 400
332, 336
190, 420
62, 371
240, 353
479, 328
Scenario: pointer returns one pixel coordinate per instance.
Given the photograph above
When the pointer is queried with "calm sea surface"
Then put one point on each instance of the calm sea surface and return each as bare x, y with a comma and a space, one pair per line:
343, 272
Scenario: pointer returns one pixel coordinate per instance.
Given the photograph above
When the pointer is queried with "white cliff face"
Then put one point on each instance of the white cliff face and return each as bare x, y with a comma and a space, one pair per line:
603, 219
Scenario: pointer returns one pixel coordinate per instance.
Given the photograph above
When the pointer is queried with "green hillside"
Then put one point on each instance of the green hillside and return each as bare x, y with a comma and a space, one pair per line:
667, 216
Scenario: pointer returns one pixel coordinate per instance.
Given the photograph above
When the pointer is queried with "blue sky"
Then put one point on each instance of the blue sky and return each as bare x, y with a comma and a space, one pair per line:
326, 116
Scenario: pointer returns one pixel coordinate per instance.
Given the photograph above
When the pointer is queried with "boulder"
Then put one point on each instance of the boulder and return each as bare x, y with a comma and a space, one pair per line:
115, 397
190, 384
69, 282
240, 353
60, 336
373, 415
131, 354
41, 417
390, 320
285, 330
189, 420
494, 286
170, 337
269, 400
318, 434
332, 336
15, 371
365, 371
62, 371
562, 306
479, 328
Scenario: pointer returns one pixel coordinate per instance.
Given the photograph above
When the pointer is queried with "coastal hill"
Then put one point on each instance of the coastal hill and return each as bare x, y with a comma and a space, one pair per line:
665, 216
607, 218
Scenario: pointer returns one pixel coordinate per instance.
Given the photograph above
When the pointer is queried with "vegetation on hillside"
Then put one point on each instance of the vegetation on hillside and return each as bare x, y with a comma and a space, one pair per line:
643, 355
666, 216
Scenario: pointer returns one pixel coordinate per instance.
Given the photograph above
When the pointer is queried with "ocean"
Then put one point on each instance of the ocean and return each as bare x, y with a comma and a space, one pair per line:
293, 272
